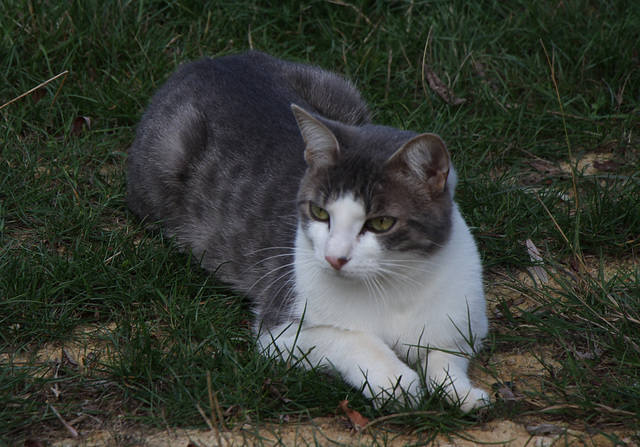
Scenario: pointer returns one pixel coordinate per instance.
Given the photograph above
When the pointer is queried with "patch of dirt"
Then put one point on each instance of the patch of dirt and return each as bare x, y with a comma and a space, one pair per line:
86, 346
591, 163
332, 431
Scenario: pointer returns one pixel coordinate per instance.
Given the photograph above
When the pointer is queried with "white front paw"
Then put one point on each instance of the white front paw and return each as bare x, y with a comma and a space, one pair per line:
472, 399
401, 389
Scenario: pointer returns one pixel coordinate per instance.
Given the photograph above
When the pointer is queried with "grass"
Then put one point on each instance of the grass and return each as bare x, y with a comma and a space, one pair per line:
166, 338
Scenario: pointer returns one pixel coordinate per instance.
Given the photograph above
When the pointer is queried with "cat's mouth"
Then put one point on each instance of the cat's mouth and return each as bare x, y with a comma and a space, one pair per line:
347, 273
342, 274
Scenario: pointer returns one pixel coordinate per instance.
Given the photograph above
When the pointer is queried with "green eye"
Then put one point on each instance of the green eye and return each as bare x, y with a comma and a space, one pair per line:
318, 213
380, 224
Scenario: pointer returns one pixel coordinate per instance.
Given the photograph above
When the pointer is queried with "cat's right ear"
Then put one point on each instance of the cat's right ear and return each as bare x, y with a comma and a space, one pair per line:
322, 146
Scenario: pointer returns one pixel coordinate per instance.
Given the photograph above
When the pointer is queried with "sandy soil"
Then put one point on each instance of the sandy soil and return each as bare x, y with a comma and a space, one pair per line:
338, 430
334, 431
524, 429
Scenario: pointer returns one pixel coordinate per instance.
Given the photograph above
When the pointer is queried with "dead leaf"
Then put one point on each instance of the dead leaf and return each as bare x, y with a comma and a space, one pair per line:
357, 420
79, 124
284, 418
90, 360
545, 167
545, 429
607, 165
506, 392
440, 88
534, 255
269, 385
588, 355
232, 411
479, 67
69, 358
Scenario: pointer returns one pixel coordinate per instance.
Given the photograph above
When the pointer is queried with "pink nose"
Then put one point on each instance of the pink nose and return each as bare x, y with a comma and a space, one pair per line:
336, 263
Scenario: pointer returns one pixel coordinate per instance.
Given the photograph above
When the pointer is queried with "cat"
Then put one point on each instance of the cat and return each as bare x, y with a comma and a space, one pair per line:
343, 234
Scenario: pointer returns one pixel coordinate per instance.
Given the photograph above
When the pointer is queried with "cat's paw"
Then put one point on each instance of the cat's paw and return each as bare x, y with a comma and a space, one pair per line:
402, 390
473, 399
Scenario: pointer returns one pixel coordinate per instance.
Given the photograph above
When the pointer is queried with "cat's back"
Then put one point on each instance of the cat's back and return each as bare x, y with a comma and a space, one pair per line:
233, 110
251, 92
216, 99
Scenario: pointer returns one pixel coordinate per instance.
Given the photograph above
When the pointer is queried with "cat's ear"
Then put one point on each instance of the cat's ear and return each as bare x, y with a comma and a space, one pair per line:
322, 146
424, 157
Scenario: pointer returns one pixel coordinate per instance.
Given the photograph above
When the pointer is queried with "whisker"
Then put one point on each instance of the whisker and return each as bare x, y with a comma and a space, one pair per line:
289, 272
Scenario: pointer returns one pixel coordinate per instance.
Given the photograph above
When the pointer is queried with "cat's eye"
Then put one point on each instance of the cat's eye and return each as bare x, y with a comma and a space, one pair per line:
380, 224
318, 213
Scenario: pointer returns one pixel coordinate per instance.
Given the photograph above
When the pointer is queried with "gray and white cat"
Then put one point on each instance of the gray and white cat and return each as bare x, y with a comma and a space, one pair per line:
343, 234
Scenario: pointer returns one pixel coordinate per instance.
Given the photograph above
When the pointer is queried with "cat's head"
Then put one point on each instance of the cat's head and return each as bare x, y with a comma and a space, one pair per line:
373, 198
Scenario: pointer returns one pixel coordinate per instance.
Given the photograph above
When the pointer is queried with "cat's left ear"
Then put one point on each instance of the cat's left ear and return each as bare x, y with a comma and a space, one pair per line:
424, 157
322, 146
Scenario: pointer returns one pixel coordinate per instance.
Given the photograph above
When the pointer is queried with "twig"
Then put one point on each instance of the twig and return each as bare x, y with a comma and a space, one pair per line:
205, 417
386, 91
215, 408
354, 7
564, 123
424, 63
389, 417
64, 73
68, 426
